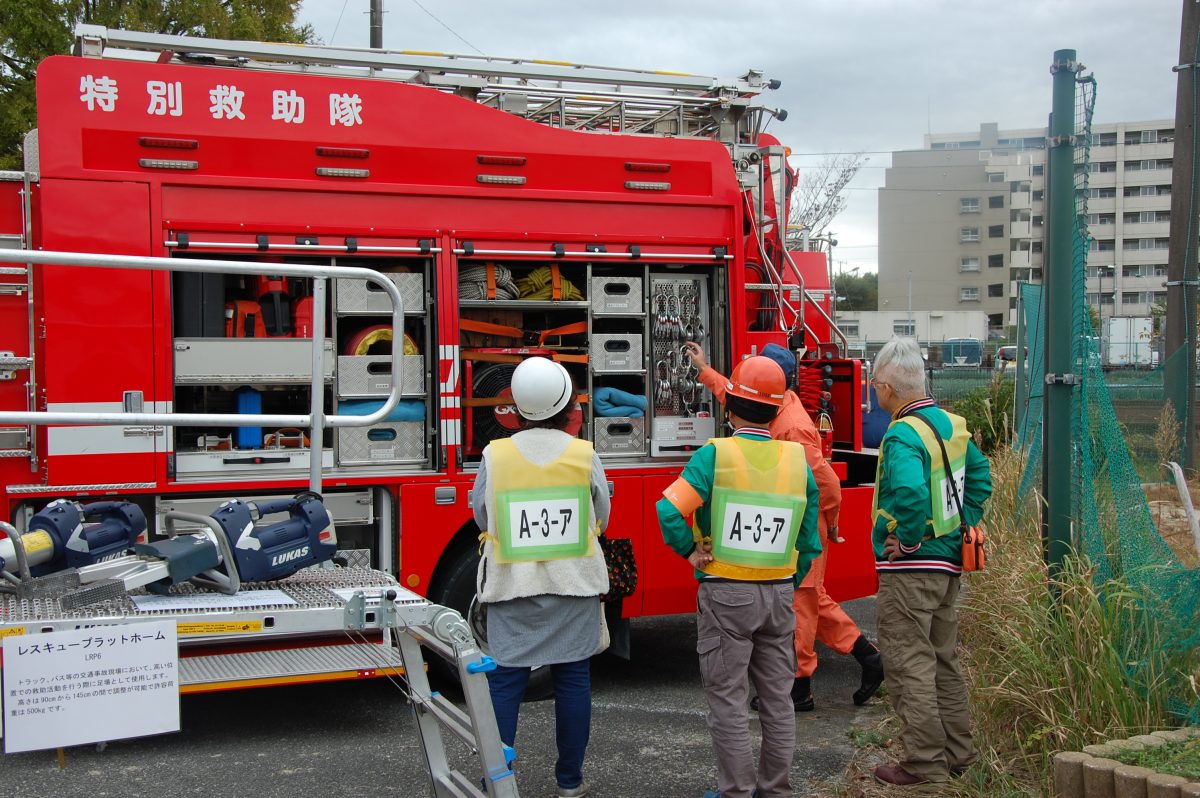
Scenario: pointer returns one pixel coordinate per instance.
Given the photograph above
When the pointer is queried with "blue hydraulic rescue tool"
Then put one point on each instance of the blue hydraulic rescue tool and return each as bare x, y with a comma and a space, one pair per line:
86, 547
70, 535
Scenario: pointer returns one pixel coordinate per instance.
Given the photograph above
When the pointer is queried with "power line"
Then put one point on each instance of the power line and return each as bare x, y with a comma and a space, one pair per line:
339, 22
447, 27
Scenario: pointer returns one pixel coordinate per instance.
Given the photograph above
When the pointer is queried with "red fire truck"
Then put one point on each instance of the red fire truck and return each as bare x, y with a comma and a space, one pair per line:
598, 216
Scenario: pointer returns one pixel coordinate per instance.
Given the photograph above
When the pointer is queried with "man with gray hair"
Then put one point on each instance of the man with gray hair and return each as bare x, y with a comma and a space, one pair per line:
918, 554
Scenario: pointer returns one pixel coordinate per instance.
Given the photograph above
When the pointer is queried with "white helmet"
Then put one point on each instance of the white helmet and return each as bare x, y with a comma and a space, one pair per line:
541, 388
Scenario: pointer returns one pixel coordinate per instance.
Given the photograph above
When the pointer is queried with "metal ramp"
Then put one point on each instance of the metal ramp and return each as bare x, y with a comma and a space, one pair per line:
209, 673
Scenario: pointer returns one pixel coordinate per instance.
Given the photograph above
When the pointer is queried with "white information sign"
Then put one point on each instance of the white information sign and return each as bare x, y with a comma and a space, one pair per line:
546, 522
90, 685
755, 528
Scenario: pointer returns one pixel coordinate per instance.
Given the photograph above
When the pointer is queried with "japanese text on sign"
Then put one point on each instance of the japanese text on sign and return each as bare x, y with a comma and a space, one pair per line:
89, 685
225, 101
756, 528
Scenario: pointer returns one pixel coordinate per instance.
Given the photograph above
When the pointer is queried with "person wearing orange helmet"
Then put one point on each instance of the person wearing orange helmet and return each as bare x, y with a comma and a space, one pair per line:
817, 615
753, 504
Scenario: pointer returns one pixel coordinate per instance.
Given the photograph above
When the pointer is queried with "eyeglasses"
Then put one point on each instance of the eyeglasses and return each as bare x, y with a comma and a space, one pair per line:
877, 383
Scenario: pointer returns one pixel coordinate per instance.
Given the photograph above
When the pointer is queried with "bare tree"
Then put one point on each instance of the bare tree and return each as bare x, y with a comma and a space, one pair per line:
821, 195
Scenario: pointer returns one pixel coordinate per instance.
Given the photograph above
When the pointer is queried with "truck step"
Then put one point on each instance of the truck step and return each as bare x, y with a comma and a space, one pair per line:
213, 672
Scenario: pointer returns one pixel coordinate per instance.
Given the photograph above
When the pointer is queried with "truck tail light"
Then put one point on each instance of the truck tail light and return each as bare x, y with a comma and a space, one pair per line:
169, 144
163, 163
501, 160
504, 180
644, 185
635, 166
343, 152
329, 171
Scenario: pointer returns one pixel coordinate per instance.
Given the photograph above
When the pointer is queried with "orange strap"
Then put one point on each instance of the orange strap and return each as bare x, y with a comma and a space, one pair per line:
555, 282
470, 325
512, 357
499, 401
486, 327
490, 270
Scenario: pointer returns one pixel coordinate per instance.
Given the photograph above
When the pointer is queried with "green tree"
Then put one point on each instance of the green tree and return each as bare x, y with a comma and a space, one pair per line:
31, 30
857, 291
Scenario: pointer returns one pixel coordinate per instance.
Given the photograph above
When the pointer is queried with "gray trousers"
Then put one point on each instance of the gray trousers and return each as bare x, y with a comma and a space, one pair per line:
918, 634
747, 629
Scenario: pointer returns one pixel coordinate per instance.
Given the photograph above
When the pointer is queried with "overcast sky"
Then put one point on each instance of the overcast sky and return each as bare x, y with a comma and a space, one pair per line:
858, 75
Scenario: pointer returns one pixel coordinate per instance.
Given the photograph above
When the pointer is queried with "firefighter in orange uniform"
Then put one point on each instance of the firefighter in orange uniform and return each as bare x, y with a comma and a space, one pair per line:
817, 615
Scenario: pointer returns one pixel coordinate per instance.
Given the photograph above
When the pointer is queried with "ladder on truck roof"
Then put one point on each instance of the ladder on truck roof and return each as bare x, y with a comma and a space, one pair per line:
557, 93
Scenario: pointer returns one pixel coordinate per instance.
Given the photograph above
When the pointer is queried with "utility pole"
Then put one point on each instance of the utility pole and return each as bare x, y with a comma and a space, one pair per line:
1058, 468
911, 324
376, 24
1179, 373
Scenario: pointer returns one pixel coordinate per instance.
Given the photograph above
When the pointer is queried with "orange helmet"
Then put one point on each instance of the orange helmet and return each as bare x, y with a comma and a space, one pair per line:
758, 379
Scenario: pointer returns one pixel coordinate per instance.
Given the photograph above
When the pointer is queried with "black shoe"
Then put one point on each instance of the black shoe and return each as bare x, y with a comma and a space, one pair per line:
872, 669
802, 699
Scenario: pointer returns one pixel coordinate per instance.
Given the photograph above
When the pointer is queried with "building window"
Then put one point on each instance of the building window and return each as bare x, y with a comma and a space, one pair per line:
995, 177
1037, 221
996, 289
968, 295
906, 328
1103, 193
995, 231
995, 261
1035, 247
968, 205
1104, 166
1131, 297
968, 234
1038, 170
969, 264
1104, 139
1039, 195
996, 201
849, 328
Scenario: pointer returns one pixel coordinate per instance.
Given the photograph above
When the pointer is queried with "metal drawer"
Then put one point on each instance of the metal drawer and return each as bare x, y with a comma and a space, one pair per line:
360, 298
247, 361
247, 462
361, 376
616, 295
617, 352
616, 436
382, 444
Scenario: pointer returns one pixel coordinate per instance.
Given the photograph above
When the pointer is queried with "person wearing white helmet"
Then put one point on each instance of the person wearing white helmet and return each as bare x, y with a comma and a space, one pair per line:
541, 498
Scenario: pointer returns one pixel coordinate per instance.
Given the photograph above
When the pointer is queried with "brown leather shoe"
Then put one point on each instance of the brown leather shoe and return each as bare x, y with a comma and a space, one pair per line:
894, 774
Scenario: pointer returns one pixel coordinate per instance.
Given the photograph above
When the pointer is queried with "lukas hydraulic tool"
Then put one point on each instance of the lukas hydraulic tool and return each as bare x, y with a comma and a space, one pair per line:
231, 546
71, 535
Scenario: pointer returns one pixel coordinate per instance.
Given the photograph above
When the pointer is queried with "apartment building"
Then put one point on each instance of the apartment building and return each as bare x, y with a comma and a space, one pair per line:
961, 221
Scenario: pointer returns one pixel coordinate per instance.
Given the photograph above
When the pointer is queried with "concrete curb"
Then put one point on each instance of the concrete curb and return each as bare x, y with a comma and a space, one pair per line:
1095, 773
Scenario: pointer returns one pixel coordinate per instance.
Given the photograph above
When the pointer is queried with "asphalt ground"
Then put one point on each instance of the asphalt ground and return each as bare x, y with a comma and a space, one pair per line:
649, 736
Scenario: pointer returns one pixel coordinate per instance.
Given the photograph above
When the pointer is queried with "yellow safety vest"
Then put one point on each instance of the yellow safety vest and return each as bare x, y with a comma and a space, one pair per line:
540, 513
760, 492
943, 510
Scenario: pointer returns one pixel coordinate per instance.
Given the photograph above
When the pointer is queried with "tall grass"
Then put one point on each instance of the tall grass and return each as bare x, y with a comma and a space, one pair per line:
1056, 670
1056, 667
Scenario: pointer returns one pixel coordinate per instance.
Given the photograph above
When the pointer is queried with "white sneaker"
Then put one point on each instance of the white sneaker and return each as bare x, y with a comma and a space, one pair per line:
573, 792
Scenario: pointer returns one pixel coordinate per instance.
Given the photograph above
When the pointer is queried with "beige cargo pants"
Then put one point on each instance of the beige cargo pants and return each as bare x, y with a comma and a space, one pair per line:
918, 633
747, 629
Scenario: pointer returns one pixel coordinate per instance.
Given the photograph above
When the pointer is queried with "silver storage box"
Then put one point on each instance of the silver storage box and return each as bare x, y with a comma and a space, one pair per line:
362, 376
247, 361
247, 462
383, 444
616, 436
617, 352
616, 295
360, 298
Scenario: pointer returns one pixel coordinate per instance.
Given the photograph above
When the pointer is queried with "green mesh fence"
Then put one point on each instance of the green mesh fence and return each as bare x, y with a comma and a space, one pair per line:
1116, 449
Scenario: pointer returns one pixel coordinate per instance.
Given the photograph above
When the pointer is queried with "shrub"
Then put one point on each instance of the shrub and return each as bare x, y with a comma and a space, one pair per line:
989, 413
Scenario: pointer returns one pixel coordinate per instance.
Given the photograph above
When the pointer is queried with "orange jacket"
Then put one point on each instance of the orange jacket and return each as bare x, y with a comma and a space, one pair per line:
793, 424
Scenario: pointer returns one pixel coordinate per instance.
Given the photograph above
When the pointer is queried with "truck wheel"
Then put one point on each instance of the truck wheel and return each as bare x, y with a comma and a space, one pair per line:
457, 591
